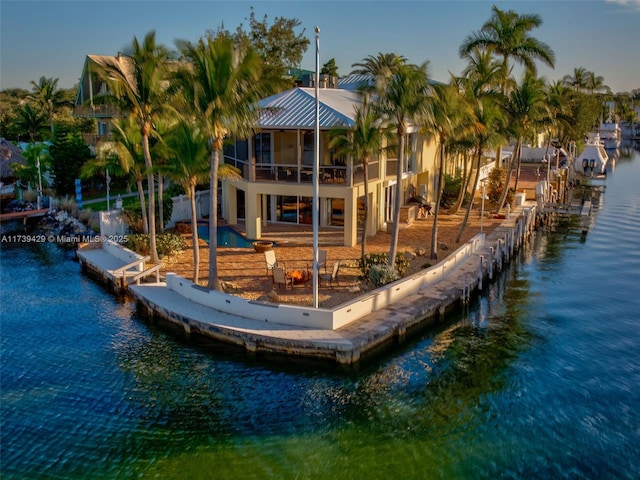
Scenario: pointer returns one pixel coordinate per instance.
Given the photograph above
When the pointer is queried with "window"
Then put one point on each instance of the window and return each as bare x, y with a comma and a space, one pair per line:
262, 147
102, 128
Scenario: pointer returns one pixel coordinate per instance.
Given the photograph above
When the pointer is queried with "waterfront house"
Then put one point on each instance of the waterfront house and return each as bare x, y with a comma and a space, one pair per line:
277, 167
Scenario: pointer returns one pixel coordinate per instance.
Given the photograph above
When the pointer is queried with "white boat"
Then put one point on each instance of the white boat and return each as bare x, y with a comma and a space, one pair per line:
610, 134
593, 159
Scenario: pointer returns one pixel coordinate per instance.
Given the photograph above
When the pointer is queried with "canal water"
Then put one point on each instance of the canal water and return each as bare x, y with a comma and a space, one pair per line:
538, 378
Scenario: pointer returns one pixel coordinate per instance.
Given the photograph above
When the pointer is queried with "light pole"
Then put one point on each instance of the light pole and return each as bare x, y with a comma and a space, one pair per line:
316, 168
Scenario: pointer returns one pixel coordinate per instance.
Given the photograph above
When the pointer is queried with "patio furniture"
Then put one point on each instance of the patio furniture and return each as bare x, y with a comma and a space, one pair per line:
333, 277
280, 277
270, 260
322, 260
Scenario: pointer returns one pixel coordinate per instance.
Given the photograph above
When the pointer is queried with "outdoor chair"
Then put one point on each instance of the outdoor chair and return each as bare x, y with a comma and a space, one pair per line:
333, 277
270, 260
322, 260
280, 277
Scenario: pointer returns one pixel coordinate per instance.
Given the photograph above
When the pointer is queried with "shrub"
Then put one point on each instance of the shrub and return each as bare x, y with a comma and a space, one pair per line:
69, 205
133, 213
495, 184
403, 260
166, 243
380, 275
451, 190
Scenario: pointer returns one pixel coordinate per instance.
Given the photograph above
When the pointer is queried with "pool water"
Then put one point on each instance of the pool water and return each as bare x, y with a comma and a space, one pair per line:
227, 237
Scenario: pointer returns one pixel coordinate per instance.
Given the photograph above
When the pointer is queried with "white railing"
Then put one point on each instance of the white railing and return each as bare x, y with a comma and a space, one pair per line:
112, 224
182, 207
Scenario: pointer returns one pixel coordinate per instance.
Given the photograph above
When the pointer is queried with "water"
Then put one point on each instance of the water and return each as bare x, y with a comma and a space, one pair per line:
226, 236
538, 378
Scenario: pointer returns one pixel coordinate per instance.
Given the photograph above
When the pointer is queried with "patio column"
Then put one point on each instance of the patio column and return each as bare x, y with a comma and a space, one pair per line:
253, 217
230, 203
351, 218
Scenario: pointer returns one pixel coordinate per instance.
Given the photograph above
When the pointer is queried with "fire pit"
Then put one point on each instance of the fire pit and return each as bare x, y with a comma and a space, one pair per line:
298, 277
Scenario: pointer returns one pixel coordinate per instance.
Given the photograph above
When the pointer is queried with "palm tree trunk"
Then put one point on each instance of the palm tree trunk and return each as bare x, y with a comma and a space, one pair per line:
214, 281
473, 193
505, 189
434, 229
463, 188
518, 164
145, 222
194, 234
397, 201
160, 202
153, 252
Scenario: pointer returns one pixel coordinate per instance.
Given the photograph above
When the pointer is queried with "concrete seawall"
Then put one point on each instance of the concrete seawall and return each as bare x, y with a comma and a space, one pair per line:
349, 343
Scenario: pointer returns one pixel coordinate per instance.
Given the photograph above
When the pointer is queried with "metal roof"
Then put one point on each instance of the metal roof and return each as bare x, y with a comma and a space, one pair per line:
296, 108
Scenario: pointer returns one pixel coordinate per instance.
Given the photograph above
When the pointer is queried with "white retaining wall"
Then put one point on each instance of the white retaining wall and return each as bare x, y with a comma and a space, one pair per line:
325, 318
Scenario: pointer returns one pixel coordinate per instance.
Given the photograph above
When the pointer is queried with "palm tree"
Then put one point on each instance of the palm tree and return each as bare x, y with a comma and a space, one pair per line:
124, 154
37, 162
595, 83
487, 118
449, 111
524, 107
138, 83
363, 142
188, 165
403, 97
223, 86
30, 120
506, 33
47, 96
578, 80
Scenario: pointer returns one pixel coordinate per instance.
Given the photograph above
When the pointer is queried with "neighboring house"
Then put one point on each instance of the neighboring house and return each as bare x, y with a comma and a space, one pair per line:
277, 167
91, 88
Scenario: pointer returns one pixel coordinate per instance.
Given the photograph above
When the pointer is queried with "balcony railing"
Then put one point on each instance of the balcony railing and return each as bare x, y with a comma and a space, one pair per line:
97, 111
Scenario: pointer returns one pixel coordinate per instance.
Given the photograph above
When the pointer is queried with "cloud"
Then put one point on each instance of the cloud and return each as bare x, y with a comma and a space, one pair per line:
634, 4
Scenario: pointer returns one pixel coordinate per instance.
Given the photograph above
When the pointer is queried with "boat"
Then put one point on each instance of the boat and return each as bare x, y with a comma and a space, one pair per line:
610, 134
593, 159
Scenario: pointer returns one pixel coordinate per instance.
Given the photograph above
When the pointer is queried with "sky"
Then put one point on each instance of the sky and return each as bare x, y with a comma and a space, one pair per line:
51, 38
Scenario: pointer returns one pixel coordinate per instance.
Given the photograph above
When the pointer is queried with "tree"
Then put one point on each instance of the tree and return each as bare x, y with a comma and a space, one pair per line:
449, 112
330, 68
47, 96
30, 121
125, 154
29, 173
68, 153
279, 45
222, 88
487, 118
525, 107
506, 33
364, 141
578, 80
138, 82
403, 97
188, 165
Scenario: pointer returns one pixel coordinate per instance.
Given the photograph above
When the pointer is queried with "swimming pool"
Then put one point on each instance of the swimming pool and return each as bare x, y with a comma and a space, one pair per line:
227, 237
